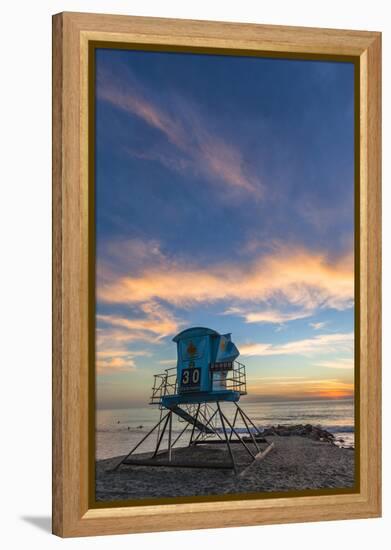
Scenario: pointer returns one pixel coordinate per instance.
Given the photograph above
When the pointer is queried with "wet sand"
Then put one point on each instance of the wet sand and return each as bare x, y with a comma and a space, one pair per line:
294, 463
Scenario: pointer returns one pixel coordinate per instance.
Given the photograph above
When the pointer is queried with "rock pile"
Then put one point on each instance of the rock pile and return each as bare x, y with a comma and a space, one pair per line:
305, 430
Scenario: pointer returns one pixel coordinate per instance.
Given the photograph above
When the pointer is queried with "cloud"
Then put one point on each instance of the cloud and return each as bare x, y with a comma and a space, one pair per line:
322, 344
150, 322
194, 146
295, 276
115, 333
318, 326
157, 321
337, 364
272, 316
109, 360
109, 364
123, 253
110, 337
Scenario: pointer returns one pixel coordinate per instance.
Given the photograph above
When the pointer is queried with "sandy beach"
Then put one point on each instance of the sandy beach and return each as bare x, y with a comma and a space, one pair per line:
294, 463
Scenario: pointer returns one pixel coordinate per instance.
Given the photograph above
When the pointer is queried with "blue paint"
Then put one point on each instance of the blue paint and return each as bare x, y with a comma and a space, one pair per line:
205, 359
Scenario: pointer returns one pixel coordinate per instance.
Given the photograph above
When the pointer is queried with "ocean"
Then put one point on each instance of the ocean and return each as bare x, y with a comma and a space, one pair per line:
119, 430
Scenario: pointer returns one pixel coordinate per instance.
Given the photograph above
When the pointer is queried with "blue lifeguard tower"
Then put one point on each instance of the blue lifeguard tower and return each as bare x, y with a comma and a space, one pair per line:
207, 375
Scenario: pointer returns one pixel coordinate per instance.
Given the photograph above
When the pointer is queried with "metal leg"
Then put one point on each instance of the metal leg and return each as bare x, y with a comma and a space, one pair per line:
208, 415
238, 436
226, 437
140, 442
233, 424
208, 424
158, 430
251, 422
180, 435
161, 435
194, 425
207, 421
248, 429
169, 437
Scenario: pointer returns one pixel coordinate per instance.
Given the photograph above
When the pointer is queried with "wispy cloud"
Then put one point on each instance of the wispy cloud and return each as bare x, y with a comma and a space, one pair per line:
318, 326
299, 277
194, 145
109, 360
322, 344
157, 321
116, 333
271, 316
337, 364
109, 364
114, 337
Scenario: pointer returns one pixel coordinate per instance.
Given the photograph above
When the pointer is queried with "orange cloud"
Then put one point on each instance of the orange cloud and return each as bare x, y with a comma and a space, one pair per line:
114, 363
118, 337
302, 278
324, 343
155, 324
115, 333
109, 359
161, 327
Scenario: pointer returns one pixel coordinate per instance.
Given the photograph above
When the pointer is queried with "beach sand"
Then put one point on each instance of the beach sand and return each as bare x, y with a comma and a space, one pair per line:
294, 463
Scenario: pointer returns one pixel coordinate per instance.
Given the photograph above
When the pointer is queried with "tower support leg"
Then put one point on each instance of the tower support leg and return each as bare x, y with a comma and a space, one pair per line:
226, 437
234, 422
168, 416
208, 423
251, 422
194, 425
169, 437
140, 442
248, 429
238, 436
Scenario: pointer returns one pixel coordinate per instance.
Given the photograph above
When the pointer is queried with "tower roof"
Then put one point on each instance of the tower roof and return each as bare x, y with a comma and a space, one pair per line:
194, 331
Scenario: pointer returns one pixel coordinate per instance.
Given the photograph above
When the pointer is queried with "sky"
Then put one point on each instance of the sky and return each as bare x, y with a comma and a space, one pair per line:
224, 198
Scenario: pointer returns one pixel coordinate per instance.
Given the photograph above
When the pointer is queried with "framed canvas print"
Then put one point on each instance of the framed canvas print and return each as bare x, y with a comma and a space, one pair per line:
216, 295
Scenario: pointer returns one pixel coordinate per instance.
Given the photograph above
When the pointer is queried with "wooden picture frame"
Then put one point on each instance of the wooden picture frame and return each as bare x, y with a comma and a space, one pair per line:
73, 286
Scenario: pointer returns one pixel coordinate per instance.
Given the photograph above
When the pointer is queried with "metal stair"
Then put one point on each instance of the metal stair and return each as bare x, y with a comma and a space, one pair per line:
191, 420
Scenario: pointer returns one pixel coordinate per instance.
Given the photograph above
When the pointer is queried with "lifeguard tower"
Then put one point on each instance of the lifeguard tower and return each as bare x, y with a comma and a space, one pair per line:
202, 393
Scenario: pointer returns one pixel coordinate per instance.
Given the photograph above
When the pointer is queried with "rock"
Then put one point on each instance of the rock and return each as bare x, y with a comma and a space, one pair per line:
315, 433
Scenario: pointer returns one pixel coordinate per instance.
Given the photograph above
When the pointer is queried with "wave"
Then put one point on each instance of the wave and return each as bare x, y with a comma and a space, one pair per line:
116, 429
333, 428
